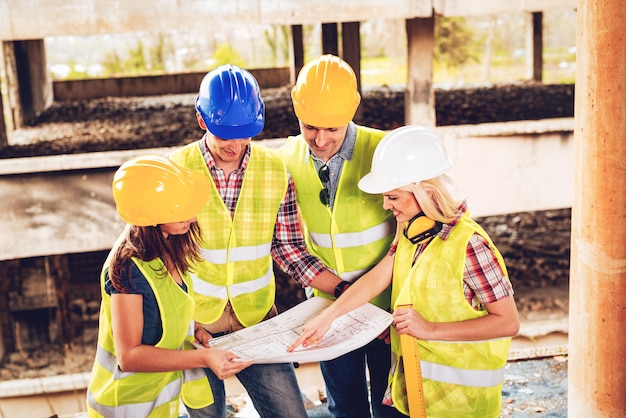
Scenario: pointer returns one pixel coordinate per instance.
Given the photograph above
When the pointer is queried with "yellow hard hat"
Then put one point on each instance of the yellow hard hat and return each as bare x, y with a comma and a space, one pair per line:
152, 189
326, 93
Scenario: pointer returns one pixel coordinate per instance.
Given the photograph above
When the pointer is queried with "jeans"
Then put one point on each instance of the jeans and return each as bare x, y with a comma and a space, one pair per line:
273, 389
346, 382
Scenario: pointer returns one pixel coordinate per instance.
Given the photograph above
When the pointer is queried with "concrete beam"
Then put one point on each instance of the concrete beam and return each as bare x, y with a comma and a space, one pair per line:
155, 85
63, 204
38, 19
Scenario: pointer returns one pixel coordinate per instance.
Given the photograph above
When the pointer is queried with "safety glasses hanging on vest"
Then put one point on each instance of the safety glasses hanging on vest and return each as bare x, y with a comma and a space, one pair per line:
324, 175
421, 228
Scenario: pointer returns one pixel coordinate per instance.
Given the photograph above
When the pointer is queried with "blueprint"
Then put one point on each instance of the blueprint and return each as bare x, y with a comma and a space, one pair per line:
267, 342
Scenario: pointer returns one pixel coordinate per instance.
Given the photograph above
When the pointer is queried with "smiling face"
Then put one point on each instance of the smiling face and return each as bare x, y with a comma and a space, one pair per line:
323, 142
402, 203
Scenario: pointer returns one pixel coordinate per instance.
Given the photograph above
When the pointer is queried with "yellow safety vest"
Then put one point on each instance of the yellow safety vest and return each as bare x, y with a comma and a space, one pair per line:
461, 379
114, 393
357, 233
237, 264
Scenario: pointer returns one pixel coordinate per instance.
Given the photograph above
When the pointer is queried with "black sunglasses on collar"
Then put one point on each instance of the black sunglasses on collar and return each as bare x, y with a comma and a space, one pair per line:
324, 175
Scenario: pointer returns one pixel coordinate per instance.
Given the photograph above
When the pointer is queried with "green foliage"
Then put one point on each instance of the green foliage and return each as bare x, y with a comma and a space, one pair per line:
112, 64
456, 44
225, 54
277, 38
159, 54
138, 60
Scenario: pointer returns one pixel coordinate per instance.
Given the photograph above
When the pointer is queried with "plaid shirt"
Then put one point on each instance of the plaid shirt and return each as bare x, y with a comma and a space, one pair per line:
288, 247
483, 278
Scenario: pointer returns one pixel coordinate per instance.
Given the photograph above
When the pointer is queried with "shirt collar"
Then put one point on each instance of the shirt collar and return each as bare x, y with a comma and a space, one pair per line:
446, 229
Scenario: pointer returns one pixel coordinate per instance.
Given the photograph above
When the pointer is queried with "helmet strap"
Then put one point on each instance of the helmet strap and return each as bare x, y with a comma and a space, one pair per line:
421, 228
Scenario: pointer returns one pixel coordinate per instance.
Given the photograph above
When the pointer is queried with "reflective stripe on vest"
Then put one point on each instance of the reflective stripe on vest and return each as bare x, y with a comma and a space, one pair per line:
463, 377
250, 253
222, 292
352, 237
168, 394
237, 265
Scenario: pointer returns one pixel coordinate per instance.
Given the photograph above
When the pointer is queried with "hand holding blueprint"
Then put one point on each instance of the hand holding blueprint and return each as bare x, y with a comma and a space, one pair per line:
267, 342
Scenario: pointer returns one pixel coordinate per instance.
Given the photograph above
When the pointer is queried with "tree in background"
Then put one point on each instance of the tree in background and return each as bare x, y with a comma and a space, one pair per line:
226, 54
456, 44
277, 38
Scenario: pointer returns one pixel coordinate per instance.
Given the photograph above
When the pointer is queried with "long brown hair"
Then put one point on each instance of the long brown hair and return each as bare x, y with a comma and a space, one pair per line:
147, 243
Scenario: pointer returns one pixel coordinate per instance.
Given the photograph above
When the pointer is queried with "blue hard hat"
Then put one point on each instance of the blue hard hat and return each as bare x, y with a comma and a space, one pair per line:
229, 102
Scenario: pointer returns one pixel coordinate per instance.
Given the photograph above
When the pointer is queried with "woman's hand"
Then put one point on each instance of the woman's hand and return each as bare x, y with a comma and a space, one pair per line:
502, 321
409, 321
222, 364
312, 332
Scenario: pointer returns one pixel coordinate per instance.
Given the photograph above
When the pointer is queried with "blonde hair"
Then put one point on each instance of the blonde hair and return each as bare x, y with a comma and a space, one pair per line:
436, 198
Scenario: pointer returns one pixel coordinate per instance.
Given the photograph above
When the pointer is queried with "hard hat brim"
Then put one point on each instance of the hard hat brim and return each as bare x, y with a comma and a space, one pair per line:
236, 132
374, 183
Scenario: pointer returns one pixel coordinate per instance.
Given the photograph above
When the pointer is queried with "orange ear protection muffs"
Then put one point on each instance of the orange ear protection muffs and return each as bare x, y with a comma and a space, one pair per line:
421, 228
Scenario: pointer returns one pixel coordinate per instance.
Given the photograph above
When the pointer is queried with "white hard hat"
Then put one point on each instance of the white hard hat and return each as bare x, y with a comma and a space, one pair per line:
406, 155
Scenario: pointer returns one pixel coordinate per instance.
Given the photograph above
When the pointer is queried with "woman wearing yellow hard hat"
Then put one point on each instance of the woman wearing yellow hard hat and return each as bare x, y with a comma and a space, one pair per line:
450, 288
144, 360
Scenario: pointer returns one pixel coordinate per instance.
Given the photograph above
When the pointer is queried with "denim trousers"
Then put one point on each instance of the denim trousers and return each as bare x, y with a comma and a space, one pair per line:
346, 382
273, 389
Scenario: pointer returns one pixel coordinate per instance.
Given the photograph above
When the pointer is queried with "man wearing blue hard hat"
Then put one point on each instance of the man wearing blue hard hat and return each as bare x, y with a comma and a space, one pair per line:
250, 220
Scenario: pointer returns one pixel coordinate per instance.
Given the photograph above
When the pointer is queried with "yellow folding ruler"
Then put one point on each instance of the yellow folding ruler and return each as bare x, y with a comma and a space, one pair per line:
413, 374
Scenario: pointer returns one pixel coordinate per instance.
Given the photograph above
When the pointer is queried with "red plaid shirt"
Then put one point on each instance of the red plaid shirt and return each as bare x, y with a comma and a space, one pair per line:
288, 247
483, 279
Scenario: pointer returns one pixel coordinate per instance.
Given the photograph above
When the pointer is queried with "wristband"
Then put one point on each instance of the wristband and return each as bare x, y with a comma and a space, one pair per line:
341, 287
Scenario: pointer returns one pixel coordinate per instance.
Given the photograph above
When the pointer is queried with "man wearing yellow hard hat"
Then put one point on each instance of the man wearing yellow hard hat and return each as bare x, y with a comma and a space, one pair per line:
349, 230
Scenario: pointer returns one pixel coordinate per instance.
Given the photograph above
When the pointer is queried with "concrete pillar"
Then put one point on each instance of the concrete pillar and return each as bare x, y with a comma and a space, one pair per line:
4, 137
330, 39
30, 86
297, 52
351, 47
534, 46
14, 111
597, 312
351, 53
419, 102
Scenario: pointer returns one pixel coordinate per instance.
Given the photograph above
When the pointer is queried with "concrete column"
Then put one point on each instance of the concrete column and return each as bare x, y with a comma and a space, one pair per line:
297, 52
351, 53
351, 47
4, 137
534, 46
597, 331
30, 86
330, 39
419, 101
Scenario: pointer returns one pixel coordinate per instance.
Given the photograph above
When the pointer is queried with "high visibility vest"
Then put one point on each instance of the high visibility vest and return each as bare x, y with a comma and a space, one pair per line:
237, 265
115, 393
353, 236
464, 378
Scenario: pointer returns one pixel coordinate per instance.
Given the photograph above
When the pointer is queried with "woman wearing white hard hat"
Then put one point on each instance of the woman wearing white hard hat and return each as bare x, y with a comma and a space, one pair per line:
444, 266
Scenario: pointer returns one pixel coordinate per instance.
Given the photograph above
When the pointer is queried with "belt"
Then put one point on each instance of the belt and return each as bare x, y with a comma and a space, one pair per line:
228, 321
